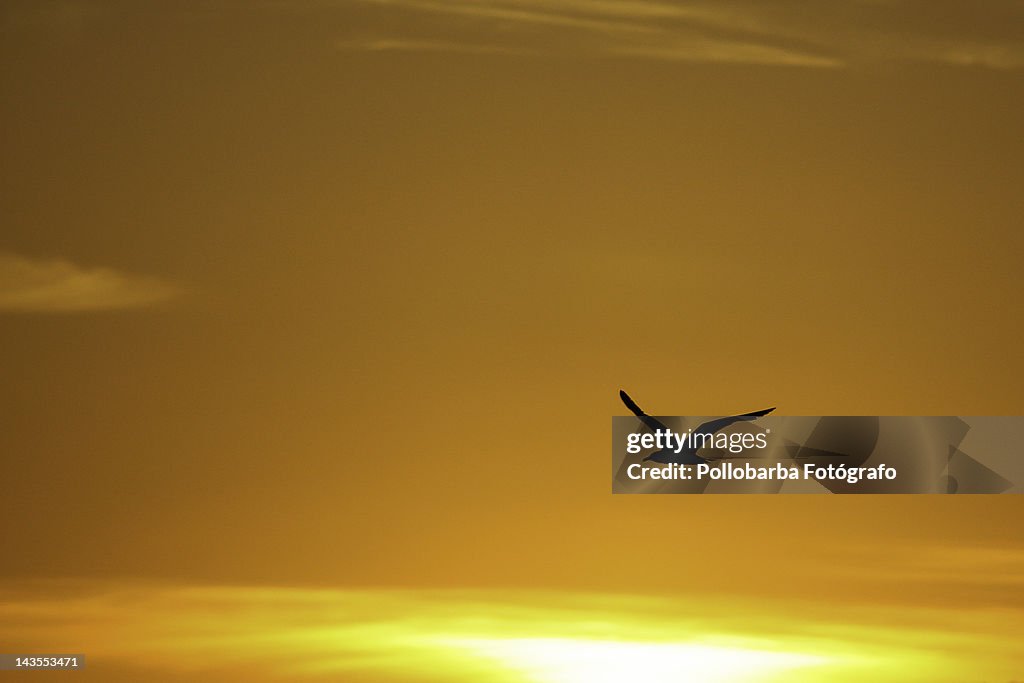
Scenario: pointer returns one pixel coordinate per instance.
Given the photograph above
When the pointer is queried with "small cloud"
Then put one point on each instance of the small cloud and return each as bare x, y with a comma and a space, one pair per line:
727, 52
30, 285
1001, 57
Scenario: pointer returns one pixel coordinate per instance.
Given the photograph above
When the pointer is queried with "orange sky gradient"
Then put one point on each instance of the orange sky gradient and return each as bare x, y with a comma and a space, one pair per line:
334, 299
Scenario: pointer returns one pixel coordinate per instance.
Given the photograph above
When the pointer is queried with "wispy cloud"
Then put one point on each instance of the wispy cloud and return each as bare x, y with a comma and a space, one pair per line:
528, 12
727, 52
780, 33
1004, 57
56, 285
643, 29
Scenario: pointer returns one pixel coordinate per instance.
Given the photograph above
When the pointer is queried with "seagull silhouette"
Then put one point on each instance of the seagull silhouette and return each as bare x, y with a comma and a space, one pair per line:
688, 454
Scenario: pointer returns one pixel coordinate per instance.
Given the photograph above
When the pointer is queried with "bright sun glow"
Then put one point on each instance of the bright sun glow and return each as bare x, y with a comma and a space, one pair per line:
561, 660
268, 635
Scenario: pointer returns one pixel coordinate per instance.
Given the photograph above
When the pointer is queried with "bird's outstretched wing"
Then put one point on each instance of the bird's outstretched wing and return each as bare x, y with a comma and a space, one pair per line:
651, 422
713, 426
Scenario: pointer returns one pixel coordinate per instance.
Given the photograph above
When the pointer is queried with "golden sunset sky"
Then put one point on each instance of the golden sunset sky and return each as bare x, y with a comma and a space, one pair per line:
314, 314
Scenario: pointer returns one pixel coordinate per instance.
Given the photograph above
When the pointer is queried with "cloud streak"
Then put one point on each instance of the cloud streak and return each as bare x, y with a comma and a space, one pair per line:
29, 285
605, 28
781, 33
